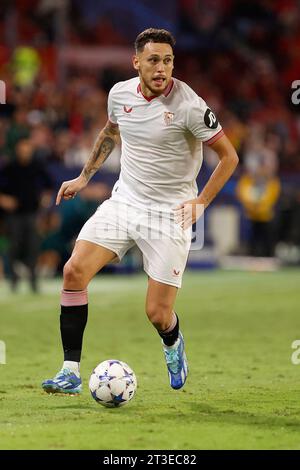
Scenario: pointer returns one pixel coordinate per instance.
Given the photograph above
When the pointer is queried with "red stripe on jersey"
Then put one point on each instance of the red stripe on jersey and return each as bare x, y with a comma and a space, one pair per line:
216, 137
148, 98
169, 88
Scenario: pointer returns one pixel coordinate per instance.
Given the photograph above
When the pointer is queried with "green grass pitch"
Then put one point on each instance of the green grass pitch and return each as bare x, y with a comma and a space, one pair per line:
243, 391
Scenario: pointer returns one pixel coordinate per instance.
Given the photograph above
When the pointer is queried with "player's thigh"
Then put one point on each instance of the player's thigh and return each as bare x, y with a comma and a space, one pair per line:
86, 260
108, 227
165, 259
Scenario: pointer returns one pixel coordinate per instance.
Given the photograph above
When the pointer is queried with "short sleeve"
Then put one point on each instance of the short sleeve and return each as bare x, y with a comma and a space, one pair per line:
110, 108
202, 122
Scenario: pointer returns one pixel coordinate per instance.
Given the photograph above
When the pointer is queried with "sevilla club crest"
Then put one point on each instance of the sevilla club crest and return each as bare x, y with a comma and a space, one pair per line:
168, 118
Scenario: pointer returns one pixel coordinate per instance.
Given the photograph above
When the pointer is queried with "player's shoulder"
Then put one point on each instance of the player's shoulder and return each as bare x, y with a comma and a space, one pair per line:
187, 94
125, 85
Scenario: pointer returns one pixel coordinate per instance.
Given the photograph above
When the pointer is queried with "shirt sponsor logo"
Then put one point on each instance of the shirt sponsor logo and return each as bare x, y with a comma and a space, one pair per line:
127, 109
168, 118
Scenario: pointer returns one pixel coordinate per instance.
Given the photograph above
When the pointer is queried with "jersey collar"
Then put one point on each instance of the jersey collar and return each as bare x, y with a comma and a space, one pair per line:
165, 93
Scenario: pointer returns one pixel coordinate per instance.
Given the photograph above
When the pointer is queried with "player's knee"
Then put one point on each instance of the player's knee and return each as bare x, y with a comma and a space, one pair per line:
74, 274
159, 315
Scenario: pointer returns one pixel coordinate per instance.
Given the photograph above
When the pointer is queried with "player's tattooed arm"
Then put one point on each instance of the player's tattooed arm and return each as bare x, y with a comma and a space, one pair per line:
103, 147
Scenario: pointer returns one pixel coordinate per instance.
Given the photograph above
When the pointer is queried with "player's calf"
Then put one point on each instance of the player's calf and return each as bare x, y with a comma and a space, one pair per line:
73, 319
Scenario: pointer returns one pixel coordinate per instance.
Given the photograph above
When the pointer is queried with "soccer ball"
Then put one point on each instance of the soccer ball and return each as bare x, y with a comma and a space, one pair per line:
112, 383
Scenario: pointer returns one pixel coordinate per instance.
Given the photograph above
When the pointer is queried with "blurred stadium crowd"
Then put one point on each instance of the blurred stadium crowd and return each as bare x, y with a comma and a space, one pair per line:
240, 56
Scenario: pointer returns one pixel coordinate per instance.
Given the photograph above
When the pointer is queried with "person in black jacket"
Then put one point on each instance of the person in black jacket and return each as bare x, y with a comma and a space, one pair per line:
22, 183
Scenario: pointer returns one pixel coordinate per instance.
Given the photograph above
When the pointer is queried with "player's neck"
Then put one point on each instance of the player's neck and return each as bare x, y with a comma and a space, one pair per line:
149, 94
146, 91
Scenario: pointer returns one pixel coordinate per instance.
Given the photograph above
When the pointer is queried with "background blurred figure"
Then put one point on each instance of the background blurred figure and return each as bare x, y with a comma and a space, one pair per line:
258, 190
21, 190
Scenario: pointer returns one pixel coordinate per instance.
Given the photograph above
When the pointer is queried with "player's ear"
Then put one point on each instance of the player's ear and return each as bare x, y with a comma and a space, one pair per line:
135, 62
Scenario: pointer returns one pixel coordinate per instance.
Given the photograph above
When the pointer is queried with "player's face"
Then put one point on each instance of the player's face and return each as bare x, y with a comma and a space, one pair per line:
155, 65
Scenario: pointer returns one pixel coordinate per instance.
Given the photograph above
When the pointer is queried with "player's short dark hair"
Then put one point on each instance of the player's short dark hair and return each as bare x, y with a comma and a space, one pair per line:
153, 35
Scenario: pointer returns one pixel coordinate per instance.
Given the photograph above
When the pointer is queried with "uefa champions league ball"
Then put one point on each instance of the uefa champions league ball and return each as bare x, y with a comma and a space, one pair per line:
112, 383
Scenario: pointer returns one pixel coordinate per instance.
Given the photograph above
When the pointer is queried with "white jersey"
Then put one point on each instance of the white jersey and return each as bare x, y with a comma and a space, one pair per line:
161, 142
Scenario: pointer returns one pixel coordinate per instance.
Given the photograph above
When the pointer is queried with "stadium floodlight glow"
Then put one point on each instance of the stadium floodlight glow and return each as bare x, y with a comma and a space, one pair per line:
2, 352
2, 92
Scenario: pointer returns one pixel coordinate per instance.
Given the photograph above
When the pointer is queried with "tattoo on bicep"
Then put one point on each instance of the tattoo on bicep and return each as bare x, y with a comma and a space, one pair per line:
98, 156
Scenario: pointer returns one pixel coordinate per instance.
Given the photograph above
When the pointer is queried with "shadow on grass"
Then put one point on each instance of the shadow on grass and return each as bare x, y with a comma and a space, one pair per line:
195, 414
210, 414
195, 410
78, 406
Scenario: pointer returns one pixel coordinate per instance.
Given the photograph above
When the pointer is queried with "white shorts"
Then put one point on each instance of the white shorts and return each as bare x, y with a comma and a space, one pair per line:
164, 244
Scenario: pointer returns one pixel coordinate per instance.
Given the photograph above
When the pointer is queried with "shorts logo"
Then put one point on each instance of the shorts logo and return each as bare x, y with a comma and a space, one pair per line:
127, 110
175, 272
168, 118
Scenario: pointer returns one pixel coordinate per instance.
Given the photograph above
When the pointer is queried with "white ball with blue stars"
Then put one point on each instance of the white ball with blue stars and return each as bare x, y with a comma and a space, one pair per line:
112, 383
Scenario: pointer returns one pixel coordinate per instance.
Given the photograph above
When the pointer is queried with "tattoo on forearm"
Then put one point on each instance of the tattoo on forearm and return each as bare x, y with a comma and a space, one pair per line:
98, 156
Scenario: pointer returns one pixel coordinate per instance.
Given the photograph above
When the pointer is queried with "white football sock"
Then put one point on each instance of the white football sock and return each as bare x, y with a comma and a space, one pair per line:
73, 366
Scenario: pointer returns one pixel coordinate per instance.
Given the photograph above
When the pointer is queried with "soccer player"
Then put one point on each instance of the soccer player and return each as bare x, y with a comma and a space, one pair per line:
162, 123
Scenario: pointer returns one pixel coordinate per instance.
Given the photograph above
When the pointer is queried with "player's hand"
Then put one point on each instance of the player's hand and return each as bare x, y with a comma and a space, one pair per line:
187, 213
69, 189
